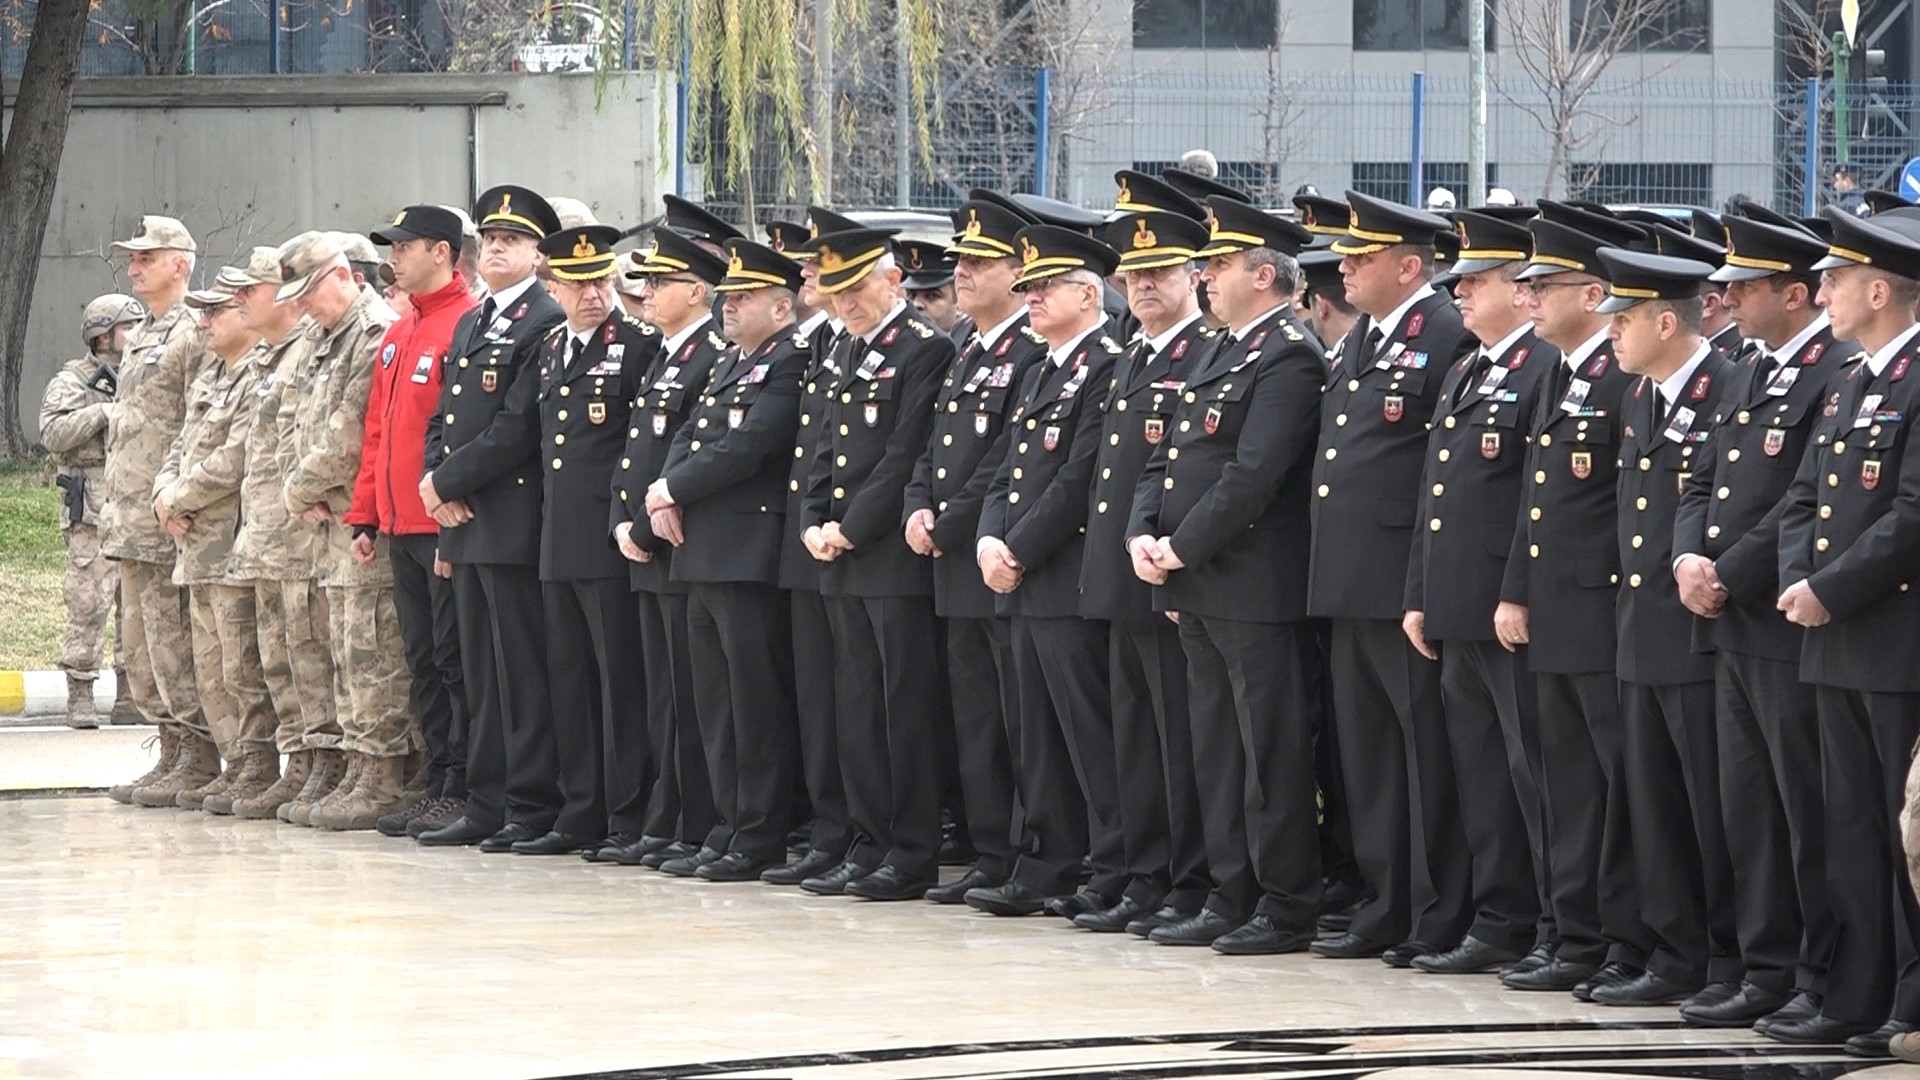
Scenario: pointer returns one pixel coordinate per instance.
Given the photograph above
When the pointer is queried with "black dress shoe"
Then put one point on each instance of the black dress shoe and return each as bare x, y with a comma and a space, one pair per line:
889, 883
835, 881
1745, 1004
1815, 1030
1555, 974
1347, 946
502, 842
813, 864
1339, 904
1084, 902
1204, 928
1535, 959
675, 849
632, 850
1470, 957
554, 843
956, 847
1113, 920
600, 852
1011, 898
1647, 989
1402, 955
733, 866
686, 865
956, 893
1712, 994
461, 833
1611, 973
1873, 1044
1804, 1006
1262, 936
1166, 916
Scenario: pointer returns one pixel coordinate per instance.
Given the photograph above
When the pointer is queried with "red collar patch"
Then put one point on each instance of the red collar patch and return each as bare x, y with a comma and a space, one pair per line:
1700, 387
1812, 355
1416, 322
1519, 357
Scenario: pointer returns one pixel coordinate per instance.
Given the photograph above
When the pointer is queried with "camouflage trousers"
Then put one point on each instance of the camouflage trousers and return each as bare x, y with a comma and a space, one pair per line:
374, 690
296, 649
156, 646
89, 587
226, 656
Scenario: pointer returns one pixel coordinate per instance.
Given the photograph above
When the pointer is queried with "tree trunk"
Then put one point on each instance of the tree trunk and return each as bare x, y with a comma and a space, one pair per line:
28, 167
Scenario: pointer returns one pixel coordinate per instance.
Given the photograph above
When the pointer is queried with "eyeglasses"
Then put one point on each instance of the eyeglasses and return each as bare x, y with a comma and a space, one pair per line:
1047, 285
1543, 286
671, 280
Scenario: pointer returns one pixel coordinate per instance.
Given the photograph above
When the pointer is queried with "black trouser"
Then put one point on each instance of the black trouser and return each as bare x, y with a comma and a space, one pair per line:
816, 711
1679, 841
1866, 743
1406, 814
599, 701
1770, 797
1066, 774
679, 800
1253, 760
1487, 709
1160, 823
883, 656
430, 635
1336, 827
742, 691
512, 771
1596, 902
980, 683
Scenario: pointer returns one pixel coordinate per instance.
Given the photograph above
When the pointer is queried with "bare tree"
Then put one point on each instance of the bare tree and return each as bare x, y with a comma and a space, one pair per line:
1279, 113
1564, 49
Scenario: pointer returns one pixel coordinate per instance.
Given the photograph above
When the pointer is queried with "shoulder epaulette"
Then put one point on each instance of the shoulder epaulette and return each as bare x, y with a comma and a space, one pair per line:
800, 340
716, 341
1110, 345
559, 329
921, 329
1032, 334
1292, 332
1205, 331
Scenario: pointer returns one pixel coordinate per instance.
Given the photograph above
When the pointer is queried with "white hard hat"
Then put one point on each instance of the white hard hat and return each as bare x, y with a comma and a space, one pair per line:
1501, 197
1439, 199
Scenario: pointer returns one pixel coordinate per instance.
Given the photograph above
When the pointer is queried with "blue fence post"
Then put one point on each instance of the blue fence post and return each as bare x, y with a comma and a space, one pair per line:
680, 112
1042, 124
1417, 153
273, 36
1810, 185
626, 36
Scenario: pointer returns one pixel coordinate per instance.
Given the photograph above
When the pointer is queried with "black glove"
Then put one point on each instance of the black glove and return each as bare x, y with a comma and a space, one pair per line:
367, 531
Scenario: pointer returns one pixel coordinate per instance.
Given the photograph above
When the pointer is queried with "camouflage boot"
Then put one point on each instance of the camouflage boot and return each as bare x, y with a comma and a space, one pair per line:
268, 803
356, 765
124, 711
171, 745
259, 770
382, 790
193, 797
198, 766
328, 770
80, 711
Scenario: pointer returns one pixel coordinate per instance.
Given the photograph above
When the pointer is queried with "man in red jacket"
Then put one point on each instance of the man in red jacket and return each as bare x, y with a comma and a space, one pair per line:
425, 243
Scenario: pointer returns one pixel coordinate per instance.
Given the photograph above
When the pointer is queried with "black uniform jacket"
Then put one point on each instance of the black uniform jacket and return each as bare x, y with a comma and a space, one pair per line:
584, 408
663, 400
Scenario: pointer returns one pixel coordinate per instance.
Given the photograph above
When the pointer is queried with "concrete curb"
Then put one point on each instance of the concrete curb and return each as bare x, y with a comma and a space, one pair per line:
44, 693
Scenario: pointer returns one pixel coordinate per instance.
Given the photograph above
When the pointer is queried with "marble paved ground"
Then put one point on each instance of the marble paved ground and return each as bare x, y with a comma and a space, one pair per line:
148, 943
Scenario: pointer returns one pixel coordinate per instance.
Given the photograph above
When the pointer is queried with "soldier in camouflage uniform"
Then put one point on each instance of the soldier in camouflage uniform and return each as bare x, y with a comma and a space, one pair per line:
73, 426
372, 687
196, 496
295, 651
163, 356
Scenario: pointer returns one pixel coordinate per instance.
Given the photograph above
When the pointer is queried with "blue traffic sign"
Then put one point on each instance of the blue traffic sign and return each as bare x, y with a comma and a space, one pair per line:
1910, 181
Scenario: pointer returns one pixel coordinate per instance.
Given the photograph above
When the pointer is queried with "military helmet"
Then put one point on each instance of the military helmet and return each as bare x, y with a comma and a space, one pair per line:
107, 312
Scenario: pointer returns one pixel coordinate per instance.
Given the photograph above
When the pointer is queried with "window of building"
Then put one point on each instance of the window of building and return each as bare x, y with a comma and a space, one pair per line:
1614, 183
1389, 179
1660, 25
1413, 25
1205, 24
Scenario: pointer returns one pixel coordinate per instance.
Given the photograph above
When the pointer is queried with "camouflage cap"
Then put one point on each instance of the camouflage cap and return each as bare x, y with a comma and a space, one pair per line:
303, 260
156, 233
220, 292
356, 247
572, 212
262, 266
104, 313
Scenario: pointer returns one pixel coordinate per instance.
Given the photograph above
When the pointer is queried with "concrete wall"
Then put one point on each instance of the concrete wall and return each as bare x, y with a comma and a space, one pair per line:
246, 161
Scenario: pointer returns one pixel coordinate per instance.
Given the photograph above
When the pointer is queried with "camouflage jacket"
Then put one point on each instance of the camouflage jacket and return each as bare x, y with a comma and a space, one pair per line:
73, 427
163, 356
265, 550
328, 426
202, 473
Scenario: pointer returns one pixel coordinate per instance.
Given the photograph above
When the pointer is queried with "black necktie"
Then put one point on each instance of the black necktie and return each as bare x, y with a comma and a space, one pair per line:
487, 311
1371, 346
573, 354
1476, 371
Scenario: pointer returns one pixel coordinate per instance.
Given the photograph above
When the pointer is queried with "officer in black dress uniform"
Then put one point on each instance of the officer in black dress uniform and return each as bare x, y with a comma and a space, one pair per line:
927, 276
1386, 697
720, 501
1564, 553
1220, 524
1032, 540
589, 371
492, 463
1726, 562
678, 829
943, 506
1666, 689
1848, 548
1469, 496
878, 593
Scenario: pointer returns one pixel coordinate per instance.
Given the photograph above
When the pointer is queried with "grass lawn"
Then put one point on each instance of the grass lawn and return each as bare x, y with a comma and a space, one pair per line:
32, 556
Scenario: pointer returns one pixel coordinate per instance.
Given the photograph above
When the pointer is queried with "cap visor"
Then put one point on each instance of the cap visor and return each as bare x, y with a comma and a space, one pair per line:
135, 245
392, 235
913, 281
1616, 303
295, 289
1834, 262
1022, 281
1356, 247
206, 298
1536, 271
1738, 273
1155, 260
1477, 266
1218, 248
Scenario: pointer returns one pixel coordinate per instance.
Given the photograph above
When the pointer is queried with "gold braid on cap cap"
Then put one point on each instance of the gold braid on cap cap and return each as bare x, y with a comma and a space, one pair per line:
1143, 237
1028, 253
583, 248
1748, 262
830, 260
972, 231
